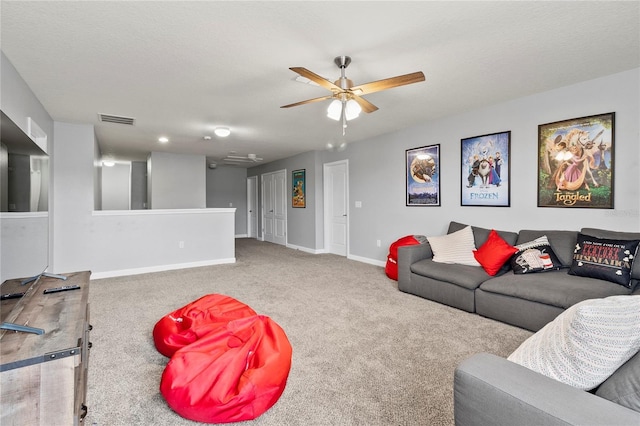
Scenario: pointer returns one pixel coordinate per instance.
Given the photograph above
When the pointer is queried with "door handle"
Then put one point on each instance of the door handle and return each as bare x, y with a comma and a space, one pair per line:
270, 211
344, 215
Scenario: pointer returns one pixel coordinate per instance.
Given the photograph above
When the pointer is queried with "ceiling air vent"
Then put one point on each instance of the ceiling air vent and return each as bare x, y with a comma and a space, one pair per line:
108, 118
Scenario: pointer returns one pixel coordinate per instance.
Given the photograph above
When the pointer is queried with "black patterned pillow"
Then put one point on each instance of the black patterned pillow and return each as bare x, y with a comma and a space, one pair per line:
535, 256
609, 260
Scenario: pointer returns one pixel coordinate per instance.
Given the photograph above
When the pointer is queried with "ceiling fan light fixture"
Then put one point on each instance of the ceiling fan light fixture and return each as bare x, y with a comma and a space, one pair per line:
222, 132
334, 111
352, 109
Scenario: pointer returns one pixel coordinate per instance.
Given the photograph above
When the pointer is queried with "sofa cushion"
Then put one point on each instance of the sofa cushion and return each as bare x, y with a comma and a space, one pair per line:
456, 247
555, 288
535, 256
562, 242
623, 386
615, 235
585, 344
494, 253
480, 235
603, 258
462, 275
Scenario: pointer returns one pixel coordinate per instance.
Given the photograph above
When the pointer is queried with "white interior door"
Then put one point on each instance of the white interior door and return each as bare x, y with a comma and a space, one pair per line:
274, 207
336, 207
280, 207
267, 208
252, 206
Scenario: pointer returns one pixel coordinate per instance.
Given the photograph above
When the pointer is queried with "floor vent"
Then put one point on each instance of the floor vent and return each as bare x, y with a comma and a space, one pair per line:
107, 118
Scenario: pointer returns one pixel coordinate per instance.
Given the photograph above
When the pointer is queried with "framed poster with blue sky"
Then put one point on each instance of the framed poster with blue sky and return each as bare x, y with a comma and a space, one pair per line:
485, 170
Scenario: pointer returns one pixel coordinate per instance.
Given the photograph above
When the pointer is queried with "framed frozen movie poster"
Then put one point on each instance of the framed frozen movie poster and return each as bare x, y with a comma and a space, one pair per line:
576, 162
485, 170
298, 190
423, 176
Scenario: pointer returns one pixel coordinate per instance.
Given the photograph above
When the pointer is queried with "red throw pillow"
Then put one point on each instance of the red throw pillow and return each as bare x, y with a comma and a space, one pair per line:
494, 253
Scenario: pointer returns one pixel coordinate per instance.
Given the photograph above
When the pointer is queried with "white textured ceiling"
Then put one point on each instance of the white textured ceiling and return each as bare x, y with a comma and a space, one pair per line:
182, 68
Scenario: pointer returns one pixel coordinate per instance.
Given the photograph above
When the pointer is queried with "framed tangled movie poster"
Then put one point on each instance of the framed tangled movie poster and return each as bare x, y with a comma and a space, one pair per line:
298, 190
486, 170
423, 176
576, 162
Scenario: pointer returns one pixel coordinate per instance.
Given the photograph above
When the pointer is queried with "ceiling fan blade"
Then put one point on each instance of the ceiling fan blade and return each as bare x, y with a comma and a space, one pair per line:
364, 104
316, 78
388, 83
308, 101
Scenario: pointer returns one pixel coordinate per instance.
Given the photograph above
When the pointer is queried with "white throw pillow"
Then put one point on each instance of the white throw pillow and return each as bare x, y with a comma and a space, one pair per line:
456, 247
586, 343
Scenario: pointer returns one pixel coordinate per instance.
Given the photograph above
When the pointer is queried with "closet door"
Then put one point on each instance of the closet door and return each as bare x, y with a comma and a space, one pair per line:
274, 207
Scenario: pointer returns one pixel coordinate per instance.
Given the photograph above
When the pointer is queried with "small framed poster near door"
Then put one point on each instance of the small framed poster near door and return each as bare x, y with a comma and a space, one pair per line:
298, 192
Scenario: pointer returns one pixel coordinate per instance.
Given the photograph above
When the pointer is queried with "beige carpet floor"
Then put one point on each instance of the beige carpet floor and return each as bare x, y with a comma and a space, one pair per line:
364, 353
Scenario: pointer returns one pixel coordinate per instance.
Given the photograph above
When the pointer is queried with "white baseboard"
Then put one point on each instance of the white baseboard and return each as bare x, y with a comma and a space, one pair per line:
159, 268
242, 236
349, 256
367, 260
305, 249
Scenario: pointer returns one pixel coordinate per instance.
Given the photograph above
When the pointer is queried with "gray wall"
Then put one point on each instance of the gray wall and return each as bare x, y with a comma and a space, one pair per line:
304, 225
116, 187
125, 242
227, 187
177, 181
26, 241
138, 185
377, 170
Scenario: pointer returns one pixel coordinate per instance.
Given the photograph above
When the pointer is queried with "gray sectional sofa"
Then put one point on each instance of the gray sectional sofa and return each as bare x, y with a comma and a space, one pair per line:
529, 301
490, 390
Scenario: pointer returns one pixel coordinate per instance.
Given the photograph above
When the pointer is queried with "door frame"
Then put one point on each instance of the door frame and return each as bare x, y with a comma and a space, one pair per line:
326, 189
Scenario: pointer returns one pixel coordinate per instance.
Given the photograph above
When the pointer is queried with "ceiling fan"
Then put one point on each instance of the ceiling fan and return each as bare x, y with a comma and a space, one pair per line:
347, 98
250, 158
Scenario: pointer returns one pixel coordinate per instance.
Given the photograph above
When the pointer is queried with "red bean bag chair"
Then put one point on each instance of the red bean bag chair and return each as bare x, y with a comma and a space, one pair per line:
187, 324
234, 373
391, 267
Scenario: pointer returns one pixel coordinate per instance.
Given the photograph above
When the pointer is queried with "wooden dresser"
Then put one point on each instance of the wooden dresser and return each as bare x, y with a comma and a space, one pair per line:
43, 377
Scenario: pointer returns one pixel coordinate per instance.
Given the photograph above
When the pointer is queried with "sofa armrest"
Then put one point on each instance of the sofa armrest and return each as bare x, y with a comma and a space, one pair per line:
408, 255
490, 390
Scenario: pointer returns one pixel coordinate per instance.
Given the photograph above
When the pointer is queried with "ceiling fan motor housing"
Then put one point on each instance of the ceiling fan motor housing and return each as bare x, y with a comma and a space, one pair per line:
343, 82
342, 61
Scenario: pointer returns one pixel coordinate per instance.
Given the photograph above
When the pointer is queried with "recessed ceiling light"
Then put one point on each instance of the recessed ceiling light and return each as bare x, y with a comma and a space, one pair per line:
223, 132
163, 139
207, 138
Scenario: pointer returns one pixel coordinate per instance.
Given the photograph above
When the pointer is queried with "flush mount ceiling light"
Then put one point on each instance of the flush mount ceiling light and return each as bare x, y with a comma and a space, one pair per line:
163, 139
108, 162
222, 132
